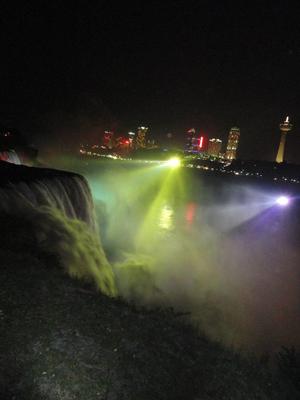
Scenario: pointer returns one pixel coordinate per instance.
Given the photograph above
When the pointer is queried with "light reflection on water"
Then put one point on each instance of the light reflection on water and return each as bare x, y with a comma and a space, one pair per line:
171, 219
166, 218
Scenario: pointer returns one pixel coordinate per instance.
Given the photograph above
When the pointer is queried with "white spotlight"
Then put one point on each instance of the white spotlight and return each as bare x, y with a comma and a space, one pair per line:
282, 201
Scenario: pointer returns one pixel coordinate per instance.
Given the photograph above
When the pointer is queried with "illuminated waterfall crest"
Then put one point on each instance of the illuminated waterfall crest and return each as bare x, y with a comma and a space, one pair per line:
60, 212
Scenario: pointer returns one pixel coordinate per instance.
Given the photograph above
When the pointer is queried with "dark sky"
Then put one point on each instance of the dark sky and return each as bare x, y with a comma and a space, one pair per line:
168, 65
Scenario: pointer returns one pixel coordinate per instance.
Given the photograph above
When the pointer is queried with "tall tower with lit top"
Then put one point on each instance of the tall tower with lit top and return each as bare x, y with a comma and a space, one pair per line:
284, 129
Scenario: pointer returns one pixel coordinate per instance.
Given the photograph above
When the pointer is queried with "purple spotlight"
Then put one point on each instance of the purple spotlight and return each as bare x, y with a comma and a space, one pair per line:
282, 201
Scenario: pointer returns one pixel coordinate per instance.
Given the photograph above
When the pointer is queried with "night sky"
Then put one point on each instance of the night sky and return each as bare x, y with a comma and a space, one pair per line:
74, 71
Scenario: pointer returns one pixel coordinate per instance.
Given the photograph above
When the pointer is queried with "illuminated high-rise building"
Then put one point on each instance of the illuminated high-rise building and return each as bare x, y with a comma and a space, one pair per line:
284, 128
214, 147
232, 144
108, 139
131, 136
195, 143
191, 136
140, 142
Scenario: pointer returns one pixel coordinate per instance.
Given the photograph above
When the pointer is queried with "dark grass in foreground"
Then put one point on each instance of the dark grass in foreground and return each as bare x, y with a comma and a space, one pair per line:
62, 340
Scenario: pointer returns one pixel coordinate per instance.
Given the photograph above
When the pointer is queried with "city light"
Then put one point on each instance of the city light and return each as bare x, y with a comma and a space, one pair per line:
174, 162
200, 142
282, 201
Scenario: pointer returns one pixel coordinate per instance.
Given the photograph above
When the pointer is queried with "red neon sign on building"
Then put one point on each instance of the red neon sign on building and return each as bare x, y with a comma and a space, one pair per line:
200, 142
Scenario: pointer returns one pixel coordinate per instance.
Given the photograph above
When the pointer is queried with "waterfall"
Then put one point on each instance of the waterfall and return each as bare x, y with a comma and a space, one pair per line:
57, 209
10, 156
70, 195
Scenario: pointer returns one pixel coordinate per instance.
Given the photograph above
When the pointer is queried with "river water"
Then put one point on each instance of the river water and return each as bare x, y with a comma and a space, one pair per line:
217, 247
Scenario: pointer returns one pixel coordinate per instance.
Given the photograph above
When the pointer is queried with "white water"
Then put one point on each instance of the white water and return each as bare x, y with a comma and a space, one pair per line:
10, 156
69, 194
60, 213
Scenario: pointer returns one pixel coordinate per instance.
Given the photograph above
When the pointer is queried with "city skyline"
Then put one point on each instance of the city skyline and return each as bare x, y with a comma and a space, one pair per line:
67, 72
208, 145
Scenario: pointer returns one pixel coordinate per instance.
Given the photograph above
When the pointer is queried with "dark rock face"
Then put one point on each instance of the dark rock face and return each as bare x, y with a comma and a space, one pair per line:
11, 173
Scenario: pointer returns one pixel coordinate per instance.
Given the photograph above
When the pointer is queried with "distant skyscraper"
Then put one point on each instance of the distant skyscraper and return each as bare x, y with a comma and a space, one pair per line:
214, 147
284, 128
191, 135
232, 144
131, 136
108, 139
141, 137
194, 142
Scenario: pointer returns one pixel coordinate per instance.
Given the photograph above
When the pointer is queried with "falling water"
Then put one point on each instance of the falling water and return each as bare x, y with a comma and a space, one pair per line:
57, 209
